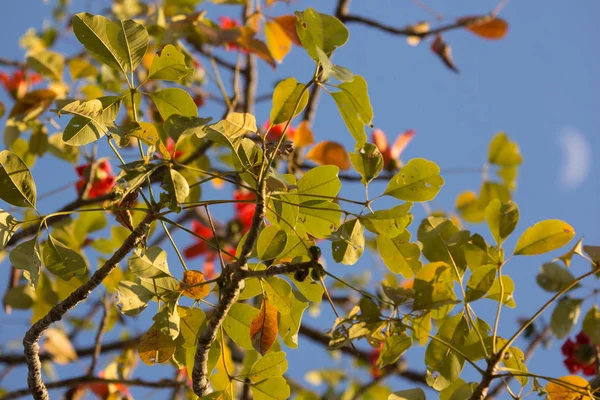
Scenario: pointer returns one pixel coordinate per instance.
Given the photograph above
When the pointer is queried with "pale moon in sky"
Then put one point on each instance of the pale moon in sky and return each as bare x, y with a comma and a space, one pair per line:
577, 158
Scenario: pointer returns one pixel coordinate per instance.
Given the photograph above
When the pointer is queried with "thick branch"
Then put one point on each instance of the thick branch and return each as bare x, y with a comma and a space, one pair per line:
32, 337
72, 382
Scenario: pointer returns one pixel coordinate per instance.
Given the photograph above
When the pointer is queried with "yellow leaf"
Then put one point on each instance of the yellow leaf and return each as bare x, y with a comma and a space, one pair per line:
155, 347
278, 42
264, 328
329, 153
288, 23
191, 285
59, 346
571, 387
218, 183
487, 28
303, 135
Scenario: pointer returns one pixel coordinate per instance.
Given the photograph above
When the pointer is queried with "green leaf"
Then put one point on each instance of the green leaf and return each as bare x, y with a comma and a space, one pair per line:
48, 63
543, 237
167, 320
418, 180
410, 394
60, 149
133, 297
433, 287
553, 277
174, 101
271, 242
279, 293
100, 36
514, 359
320, 218
271, 389
273, 364
565, 316
169, 65
355, 108
133, 42
480, 282
509, 289
348, 243
177, 187
19, 297
289, 99
319, 182
26, 256
502, 218
62, 261
322, 31
149, 264
367, 161
18, 187
237, 324
504, 152
591, 324
393, 348
289, 325
399, 255
8, 227
230, 131
81, 68
440, 358
177, 126
91, 119
389, 223
442, 241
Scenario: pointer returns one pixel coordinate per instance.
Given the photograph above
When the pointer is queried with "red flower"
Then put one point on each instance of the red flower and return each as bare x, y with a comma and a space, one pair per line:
580, 355
229, 23
199, 100
391, 156
202, 247
18, 83
244, 211
373, 357
102, 181
175, 154
277, 130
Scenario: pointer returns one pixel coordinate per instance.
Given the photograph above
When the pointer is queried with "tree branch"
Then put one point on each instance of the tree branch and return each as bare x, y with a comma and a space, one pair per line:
72, 382
32, 337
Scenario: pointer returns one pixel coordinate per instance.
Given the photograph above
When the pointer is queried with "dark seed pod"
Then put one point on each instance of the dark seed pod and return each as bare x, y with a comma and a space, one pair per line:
301, 274
315, 252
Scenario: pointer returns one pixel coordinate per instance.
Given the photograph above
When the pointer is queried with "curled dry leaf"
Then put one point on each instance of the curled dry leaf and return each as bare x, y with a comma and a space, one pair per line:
443, 50
192, 285
418, 28
123, 216
487, 27
264, 328
329, 153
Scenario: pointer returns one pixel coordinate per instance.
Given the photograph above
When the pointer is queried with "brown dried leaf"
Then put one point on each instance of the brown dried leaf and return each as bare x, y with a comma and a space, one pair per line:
190, 279
329, 153
155, 347
443, 50
264, 328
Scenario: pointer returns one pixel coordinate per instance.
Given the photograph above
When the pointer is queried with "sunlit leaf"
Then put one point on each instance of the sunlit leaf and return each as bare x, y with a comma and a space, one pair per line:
237, 324
316, 30
63, 261
367, 161
91, 119
48, 63
169, 65
193, 285
502, 219
18, 187
278, 42
570, 387
27, 257
543, 237
329, 153
399, 255
155, 347
348, 242
174, 101
355, 108
418, 180
271, 365
487, 27
289, 99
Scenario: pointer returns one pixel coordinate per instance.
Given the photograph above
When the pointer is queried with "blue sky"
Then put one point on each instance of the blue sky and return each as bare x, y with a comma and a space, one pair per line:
536, 84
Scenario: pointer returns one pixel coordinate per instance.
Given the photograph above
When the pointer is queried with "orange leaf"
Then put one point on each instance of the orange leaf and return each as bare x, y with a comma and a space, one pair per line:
329, 153
192, 278
288, 23
401, 142
278, 42
264, 328
255, 46
486, 27
303, 135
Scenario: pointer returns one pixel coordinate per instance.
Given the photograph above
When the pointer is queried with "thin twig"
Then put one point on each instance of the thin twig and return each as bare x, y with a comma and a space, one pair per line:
98, 339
